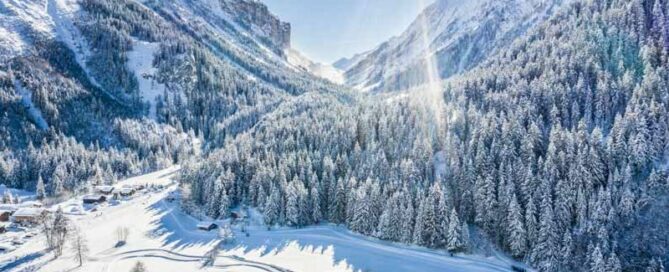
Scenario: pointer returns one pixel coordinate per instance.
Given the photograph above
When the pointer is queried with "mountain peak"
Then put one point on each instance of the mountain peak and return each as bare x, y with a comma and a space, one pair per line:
454, 35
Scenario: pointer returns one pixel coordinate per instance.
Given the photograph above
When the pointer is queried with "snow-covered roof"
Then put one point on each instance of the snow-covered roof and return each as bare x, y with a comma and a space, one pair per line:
28, 204
9, 207
93, 197
125, 190
205, 224
28, 212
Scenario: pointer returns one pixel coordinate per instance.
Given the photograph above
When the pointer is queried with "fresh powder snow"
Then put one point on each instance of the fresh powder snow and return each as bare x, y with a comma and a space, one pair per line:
166, 239
140, 61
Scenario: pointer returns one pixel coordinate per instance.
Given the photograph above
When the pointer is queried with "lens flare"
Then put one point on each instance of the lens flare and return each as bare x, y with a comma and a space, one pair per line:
429, 94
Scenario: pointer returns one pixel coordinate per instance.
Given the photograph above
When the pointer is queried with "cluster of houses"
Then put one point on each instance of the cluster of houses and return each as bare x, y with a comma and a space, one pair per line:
104, 192
32, 212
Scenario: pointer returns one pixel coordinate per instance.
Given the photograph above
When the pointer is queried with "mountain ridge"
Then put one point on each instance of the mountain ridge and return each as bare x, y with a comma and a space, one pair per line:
453, 36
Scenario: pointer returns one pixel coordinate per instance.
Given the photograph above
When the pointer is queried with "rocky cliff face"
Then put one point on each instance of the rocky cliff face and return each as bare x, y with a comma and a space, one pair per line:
256, 17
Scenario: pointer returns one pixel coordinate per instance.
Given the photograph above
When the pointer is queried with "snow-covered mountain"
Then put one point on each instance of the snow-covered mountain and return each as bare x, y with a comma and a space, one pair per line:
452, 35
140, 53
134, 77
551, 146
326, 71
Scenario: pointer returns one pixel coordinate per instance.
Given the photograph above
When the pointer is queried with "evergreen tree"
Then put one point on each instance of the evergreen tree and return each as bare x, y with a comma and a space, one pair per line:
597, 262
515, 229
40, 190
455, 240
272, 207
315, 206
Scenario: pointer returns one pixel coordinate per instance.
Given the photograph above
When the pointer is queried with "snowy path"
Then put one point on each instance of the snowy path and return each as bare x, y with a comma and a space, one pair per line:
165, 239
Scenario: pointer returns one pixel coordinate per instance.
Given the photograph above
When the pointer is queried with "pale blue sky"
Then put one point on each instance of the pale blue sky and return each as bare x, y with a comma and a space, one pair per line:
327, 30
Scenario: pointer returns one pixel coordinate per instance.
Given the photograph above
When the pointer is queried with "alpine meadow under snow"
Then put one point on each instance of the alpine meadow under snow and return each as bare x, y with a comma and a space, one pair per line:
187, 135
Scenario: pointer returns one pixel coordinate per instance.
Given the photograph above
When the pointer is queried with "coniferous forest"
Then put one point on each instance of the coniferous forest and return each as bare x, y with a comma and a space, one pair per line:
554, 150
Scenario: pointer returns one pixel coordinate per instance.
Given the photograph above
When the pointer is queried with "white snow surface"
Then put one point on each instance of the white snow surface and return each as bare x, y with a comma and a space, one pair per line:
34, 112
140, 61
165, 239
17, 19
324, 71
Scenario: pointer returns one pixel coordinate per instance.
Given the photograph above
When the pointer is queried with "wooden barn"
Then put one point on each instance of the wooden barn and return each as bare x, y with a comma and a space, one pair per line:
6, 211
127, 191
207, 226
28, 215
4, 215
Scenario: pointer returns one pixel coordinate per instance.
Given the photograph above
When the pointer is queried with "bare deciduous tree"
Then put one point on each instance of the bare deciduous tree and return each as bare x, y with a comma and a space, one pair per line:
55, 228
122, 236
79, 246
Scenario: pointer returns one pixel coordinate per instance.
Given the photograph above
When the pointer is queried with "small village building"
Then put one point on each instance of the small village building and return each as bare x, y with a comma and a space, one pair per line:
28, 215
104, 189
6, 210
207, 226
4, 215
94, 199
237, 215
127, 191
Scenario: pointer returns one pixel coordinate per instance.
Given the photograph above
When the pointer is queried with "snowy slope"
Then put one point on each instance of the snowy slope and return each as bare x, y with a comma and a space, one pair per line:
34, 112
346, 63
325, 71
18, 20
140, 61
453, 35
165, 239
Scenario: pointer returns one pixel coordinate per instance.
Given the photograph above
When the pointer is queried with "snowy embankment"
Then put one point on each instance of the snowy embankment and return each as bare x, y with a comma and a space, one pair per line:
140, 61
165, 239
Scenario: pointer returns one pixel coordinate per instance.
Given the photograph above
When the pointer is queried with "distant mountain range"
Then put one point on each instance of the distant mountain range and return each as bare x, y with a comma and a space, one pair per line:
452, 35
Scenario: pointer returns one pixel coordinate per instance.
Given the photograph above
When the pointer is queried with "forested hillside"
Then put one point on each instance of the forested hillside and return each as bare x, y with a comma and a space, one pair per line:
555, 149
75, 111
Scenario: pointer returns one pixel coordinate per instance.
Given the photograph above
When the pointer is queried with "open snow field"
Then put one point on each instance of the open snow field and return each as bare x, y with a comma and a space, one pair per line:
165, 239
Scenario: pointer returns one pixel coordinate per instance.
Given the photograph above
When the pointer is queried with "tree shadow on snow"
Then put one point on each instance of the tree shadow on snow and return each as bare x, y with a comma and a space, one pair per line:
177, 229
21, 260
359, 253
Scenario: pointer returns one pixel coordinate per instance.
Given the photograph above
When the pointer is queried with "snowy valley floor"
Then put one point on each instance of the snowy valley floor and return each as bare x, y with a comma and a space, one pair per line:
165, 239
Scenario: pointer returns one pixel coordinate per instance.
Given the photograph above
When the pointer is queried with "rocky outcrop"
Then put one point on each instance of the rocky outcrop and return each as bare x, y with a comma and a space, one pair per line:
255, 16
